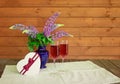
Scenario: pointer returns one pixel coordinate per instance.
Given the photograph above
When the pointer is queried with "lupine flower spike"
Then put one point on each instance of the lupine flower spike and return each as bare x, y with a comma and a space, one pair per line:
36, 38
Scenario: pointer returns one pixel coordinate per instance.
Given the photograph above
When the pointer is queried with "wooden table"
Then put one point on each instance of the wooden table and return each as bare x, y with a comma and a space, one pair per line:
111, 65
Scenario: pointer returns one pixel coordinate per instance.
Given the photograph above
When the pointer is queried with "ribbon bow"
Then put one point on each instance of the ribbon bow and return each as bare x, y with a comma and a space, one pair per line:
29, 64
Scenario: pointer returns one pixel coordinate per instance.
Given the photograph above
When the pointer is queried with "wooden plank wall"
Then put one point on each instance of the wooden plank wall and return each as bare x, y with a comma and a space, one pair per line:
95, 25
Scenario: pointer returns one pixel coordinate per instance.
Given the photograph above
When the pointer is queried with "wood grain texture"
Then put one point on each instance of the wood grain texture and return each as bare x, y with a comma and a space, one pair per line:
56, 3
45, 12
67, 3
68, 22
95, 25
82, 41
76, 31
111, 67
66, 12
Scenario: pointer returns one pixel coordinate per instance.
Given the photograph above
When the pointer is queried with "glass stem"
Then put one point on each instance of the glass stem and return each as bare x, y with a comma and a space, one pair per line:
62, 59
54, 60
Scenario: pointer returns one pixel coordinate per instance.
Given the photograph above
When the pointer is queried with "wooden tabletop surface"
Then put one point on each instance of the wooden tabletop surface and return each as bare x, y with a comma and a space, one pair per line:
111, 65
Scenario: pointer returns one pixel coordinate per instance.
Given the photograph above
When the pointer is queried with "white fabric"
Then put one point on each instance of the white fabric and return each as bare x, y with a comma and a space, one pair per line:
83, 72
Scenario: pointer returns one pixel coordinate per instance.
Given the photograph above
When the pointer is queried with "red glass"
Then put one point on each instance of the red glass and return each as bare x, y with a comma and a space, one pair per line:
63, 49
54, 51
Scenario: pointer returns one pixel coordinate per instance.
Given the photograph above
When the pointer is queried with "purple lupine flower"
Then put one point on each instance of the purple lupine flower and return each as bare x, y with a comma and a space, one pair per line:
31, 31
55, 26
60, 34
18, 26
49, 23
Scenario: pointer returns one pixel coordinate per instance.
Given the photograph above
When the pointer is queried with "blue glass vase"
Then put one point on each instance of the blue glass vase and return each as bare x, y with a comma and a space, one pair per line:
44, 55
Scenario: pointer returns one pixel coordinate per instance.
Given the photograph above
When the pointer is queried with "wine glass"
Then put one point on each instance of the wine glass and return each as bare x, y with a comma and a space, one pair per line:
54, 51
64, 49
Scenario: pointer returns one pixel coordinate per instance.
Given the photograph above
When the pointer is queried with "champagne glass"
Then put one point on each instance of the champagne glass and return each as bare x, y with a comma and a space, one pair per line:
54, 51
64, 49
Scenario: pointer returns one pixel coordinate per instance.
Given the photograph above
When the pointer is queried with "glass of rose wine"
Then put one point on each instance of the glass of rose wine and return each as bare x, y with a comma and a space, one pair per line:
54, 51
63, 49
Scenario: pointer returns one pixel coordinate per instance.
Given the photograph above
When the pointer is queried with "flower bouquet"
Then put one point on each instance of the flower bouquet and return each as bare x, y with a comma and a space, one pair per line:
39, 40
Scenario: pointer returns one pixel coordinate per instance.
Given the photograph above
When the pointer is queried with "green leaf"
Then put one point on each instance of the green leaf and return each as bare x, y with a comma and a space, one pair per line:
30, 46
40, 40
50, 40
